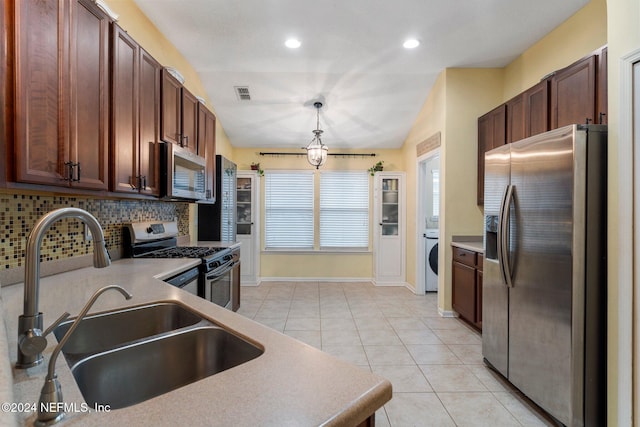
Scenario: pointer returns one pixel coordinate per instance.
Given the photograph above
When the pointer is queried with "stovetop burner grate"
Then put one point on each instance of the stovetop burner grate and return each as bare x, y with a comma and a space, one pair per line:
183, 252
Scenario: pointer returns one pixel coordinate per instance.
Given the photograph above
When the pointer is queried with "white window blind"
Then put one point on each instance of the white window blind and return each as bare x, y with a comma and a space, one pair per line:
289, 210
344, 209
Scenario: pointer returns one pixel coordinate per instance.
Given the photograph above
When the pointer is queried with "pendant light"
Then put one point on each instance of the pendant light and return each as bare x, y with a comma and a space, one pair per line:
316, 150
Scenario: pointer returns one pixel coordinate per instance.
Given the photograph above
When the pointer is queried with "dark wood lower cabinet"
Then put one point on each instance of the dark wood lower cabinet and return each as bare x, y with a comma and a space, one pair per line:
467, 285
369, 422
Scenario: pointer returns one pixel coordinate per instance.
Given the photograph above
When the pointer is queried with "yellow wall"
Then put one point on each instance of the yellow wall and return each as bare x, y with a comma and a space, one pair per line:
623, 38
315, 264
582, 33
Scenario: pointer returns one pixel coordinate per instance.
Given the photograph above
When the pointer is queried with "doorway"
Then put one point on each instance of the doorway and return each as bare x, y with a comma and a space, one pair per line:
428, 222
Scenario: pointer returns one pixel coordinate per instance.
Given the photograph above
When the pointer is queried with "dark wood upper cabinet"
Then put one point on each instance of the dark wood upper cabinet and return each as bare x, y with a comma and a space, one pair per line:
528, 113
135, 118
62, 99
124, 80
179, 118
573, 94
516, 118
602, 93
207, 147
150, 102
536, 109
576, 94
171, 109
491, 134
189, 121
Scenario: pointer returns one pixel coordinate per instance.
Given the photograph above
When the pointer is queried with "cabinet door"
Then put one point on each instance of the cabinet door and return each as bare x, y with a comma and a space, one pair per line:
6, 107
573, 94
516, 119
491, 134
89, 88
189, 121
149, 119
478, 320
171, 109
124, 158
536, 109
464, 291
207, 146
41, 147
602, 92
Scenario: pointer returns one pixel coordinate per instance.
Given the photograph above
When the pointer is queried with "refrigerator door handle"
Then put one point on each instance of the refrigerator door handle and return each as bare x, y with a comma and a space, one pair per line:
504, 237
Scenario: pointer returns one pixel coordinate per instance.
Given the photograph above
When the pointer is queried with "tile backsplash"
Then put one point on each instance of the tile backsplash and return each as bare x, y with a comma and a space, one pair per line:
65, 238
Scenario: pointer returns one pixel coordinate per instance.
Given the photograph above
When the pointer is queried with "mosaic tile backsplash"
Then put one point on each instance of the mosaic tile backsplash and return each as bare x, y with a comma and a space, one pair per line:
65, 238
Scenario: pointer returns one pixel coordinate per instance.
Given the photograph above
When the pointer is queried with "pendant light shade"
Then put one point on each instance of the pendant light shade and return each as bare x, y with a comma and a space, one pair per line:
316, 150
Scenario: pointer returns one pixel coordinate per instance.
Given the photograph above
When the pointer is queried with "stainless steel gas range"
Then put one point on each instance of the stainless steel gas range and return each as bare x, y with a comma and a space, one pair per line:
211, 280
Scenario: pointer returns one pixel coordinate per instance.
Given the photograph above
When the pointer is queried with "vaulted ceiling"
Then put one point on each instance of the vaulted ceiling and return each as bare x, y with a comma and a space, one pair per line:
351, 58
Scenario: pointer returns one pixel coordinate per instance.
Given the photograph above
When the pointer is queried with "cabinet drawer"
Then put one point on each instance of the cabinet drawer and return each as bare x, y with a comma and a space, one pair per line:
479, 262
464, 256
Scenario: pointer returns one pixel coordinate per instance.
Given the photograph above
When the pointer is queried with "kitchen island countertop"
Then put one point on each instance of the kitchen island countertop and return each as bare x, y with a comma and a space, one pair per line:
291, 383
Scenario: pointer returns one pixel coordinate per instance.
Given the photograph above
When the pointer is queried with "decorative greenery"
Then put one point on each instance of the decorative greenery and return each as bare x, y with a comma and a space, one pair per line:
376, 168
256, 167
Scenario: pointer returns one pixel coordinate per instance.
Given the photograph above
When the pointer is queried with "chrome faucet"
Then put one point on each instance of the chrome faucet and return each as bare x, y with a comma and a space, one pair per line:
50, 405
31, 339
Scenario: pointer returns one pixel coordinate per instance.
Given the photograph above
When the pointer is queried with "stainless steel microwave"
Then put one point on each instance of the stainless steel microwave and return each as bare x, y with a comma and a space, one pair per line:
184, 174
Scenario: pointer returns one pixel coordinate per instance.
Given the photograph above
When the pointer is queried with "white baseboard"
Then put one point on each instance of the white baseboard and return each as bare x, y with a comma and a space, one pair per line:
315, 279
245, 282
447, 313
404, 284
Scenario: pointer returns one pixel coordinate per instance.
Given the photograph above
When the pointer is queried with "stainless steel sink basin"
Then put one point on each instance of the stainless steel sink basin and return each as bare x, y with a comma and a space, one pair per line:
104, 331
134, 373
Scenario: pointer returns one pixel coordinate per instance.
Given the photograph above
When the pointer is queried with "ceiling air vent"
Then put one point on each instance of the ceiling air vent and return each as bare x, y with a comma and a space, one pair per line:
243, 93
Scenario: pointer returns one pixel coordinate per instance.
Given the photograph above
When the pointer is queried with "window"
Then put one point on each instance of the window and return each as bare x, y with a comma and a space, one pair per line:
289, 210
344, 209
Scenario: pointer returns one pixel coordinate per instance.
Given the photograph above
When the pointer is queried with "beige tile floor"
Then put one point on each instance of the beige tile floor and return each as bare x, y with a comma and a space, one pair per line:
434, 363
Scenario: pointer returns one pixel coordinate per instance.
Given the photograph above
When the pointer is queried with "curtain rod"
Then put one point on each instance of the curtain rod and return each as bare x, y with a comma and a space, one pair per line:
276, 154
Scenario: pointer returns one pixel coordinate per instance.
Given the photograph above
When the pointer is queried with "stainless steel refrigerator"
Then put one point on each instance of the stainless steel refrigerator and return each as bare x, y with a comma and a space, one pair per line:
218, 221
545, 288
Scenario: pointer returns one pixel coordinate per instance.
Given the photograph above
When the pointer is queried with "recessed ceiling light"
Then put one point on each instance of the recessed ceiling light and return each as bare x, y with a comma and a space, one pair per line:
411, 43
292, 43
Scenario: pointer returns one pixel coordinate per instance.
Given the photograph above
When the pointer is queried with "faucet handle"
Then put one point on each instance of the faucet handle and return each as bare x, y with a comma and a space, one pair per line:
34, 341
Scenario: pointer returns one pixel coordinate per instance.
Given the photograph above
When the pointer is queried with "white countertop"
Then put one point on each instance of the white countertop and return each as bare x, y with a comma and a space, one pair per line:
292, 383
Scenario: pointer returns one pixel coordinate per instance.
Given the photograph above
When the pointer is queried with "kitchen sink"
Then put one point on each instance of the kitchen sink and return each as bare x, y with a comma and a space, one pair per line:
141, 370
104, 331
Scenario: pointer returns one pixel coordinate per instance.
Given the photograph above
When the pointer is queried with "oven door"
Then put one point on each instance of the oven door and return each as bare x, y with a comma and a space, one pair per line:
187, 280
218, 285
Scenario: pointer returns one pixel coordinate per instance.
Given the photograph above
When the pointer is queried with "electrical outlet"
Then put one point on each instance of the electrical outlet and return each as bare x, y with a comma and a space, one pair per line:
87, 234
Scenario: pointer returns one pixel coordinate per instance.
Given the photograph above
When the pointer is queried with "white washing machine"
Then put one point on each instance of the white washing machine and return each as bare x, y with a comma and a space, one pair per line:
431, 261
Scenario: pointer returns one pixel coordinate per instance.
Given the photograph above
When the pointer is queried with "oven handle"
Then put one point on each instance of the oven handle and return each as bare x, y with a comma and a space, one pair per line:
221, 271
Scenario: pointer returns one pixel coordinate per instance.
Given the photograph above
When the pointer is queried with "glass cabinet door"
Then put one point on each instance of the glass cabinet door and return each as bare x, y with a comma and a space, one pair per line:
243, 205
390, 206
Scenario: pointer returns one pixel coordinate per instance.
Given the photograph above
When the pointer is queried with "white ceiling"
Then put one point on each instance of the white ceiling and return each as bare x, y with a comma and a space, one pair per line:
351, 58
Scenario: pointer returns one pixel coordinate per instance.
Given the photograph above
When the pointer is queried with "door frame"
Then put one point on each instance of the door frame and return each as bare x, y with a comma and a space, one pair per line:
628, 263
421, 247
